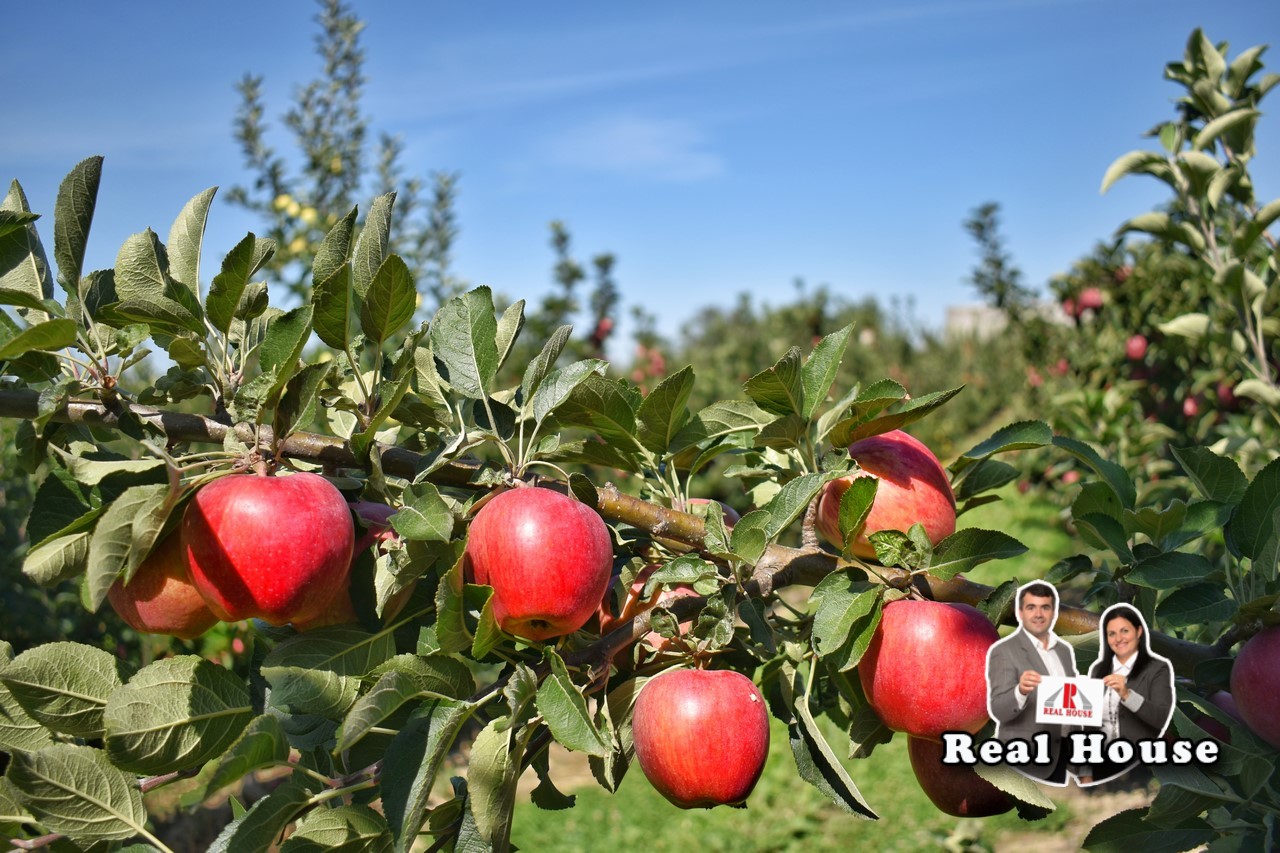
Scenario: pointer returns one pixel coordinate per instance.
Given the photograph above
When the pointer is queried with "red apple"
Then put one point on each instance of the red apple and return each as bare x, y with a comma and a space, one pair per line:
956, 789
374, 520
913, 488
701, 737
1227, 703
1071, 477
160, 598
1226, 395
1191, 407
1255, 684
925, 671
1090, 299
547, 557
277, 548
1135, 349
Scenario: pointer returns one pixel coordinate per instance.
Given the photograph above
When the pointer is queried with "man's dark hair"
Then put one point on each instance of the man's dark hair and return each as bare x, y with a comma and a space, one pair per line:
1039, 589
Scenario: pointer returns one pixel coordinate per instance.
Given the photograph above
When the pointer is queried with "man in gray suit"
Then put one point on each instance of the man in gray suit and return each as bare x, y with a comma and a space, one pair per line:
1015, 666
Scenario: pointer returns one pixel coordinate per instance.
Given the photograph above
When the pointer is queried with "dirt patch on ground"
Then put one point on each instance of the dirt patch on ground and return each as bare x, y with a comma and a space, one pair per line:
1088, 807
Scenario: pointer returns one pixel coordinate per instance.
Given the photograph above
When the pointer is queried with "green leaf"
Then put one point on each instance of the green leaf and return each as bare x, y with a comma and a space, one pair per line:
792, 500
64, 686
176, 713
319, 672
409, 769
57, 560
1127, 831
602, 405
1262, 220
563, 707
855, 506
984, 476
228, 286
375, 240
543, 363
966, 548
141, 268
1020, 787
345, 829
493, 770
1114, 475
1170, 570
425, 516
24, 269
1196, 604
663, 412
1023, 435
261, 744
72, 216
74, 791
260, 827
553, 389
720, 419
387, 696
332, 300
283, 343
1128, 164
820, 370
161, 311
780, 389
19, 732
855, 429
509, 326
124, 536
12, 814
463, 338
844, 606
186, 353
1223, 123
1254, 524
1103, 531
186, 240
49, 336
390, 301
298, 405
12, 220
332, 255
1194, 326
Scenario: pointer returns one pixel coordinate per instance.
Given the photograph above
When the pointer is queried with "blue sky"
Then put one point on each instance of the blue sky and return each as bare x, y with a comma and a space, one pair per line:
715, 147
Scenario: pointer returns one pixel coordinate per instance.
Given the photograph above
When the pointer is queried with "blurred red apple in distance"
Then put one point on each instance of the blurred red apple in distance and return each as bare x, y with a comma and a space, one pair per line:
1135, 349
160, 598
925, 671
547, 557
701, 737
913, 488
1090, 299
277, 548
955, 789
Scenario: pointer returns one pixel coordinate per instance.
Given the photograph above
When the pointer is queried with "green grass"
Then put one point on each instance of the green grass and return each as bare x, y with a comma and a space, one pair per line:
784, 813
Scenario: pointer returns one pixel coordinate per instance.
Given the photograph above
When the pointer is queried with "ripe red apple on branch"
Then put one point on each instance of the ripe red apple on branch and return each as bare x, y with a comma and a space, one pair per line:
375, 521
913, 489
955, 789
160, 598
277, 548
547, 557
701, 737
924, 672
1255, 684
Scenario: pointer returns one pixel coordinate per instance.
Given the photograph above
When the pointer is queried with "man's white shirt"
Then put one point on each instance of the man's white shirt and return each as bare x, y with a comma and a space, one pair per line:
1051, 662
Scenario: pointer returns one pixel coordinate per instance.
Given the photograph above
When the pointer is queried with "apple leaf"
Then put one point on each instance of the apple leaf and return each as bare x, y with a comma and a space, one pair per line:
492, 773
12, 814
750, 535
663, 412
547, 796
463, 338
792, 500
176, 713
1216, 477
1254, 523
488, 635
228, 286
298, 404
966, 548
260, 827
780, 389
1196, 604
1129, 831
72, 216
855, 506
1032, 802
392, 691
821, 368
331, 256
718, 420
375, 240
1023, 435
389, 302
451, 625
1169, 570
124, 536
1103, 531
49, 336
543, 363
74, 791
281, 349
425, 516
345, 829
319, 672
186, 237
602, 405
261, 744
563, 707
846, 619
984, 476
60, 558
65, 686
24, 268
19, 732
853, 429
510, 325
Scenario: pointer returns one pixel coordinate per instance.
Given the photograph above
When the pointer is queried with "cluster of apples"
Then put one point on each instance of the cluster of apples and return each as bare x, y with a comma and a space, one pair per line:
232, 558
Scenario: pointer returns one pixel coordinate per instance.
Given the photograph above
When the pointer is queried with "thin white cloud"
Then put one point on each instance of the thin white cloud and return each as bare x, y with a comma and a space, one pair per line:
633, 146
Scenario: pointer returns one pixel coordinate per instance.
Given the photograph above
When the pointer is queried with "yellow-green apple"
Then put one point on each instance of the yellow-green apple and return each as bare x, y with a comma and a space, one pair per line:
701, 737
925, 670
1255, 684
955, 789
546, 556
913, 488
276, 548
160, 598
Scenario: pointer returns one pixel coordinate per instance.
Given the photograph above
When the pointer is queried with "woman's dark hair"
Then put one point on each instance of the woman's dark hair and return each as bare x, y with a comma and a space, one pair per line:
1102, 668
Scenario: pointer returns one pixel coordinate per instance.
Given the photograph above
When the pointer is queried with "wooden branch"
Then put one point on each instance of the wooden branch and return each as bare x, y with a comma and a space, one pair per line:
778, 568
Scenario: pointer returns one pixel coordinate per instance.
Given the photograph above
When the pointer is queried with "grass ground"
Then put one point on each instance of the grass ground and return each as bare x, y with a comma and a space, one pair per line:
785, 813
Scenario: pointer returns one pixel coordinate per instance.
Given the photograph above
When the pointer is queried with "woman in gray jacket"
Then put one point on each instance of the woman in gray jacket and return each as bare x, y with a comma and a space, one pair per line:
1138, 701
